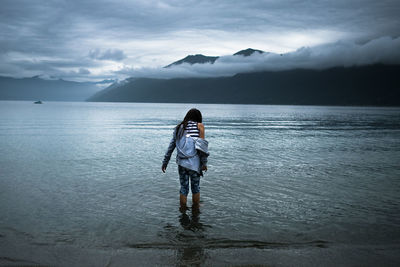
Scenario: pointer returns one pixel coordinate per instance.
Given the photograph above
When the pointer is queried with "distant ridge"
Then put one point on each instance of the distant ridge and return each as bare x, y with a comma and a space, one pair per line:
373, 85
35, 88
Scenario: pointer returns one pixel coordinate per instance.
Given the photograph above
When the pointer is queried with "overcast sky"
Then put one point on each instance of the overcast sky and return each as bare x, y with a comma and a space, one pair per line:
94, 40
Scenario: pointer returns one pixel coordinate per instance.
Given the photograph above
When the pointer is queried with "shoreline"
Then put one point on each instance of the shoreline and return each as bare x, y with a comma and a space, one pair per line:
211, 103
18, 254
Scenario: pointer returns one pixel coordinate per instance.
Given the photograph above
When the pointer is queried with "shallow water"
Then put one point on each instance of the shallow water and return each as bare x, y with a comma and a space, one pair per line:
87, 175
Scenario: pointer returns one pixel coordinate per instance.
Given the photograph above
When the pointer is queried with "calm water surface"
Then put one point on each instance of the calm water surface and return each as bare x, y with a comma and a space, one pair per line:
87, 175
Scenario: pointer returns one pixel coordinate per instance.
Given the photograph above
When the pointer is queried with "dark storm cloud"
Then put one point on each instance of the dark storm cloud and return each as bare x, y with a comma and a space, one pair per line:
104, 36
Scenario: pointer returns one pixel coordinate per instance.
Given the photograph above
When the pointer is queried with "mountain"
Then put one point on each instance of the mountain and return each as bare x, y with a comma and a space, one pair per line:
201, 59
36, 88
194, 59
248, 52
360, 85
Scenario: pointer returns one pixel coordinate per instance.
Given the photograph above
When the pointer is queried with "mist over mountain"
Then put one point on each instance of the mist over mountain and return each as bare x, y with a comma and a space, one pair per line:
382, 50
36, 88
358, 85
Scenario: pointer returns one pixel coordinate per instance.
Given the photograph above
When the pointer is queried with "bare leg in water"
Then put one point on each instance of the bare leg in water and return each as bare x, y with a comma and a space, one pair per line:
195, 200
183, 200
190, 223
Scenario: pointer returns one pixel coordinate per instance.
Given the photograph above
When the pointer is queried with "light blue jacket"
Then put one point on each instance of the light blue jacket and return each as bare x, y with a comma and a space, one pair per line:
192, 152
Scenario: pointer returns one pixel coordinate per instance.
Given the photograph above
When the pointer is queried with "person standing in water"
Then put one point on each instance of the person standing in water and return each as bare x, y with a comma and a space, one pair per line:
192, 153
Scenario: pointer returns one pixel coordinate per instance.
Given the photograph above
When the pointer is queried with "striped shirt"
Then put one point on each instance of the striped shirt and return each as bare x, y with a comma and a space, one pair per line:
192, 129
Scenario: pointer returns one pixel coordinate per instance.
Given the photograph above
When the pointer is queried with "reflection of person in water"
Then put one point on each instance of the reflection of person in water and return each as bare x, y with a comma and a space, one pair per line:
192, 153
192, 253
193, 223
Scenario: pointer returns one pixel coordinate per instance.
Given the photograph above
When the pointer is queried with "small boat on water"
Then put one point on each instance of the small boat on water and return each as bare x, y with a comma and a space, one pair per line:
38, 102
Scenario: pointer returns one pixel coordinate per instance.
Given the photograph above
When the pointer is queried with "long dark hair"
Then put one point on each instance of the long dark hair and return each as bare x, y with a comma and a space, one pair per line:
192, 115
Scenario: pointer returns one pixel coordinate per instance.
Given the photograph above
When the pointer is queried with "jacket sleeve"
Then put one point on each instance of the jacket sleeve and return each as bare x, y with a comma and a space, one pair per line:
171, 147
203, 158
202, 149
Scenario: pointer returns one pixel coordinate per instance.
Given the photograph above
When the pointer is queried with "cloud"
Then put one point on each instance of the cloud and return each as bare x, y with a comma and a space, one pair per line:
146, 33
384, 50
109, 54
83, 71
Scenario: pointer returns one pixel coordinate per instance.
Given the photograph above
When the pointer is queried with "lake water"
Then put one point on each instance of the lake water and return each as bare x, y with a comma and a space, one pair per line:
81, 185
